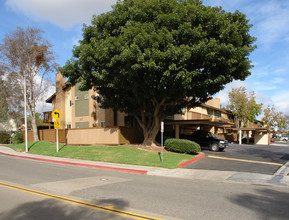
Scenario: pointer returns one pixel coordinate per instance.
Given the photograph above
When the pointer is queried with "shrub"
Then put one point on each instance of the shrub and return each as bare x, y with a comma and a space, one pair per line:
4, 137
18, 138
182, 146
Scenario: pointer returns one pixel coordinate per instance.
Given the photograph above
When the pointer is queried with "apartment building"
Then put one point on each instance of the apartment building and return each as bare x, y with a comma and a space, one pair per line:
78, 109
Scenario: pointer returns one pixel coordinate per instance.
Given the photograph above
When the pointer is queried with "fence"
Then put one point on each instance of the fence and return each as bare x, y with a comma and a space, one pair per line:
90, 136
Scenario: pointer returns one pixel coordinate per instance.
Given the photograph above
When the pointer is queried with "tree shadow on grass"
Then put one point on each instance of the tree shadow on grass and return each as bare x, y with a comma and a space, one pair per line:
269, 203
52, 209
31, 146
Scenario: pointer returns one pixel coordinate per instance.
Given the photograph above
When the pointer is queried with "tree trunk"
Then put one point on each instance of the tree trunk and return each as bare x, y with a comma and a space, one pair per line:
150, 136
34, 128
33, 122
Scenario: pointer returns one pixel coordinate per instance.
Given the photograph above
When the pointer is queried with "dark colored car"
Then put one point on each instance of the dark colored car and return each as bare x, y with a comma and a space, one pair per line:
207, 139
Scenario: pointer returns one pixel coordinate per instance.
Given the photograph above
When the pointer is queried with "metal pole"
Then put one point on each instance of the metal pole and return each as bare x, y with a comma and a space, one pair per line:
162, 141
57, 145
25, 117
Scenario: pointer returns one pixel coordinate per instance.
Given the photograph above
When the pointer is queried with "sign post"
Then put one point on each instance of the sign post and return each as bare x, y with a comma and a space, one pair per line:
162, 140
57, 124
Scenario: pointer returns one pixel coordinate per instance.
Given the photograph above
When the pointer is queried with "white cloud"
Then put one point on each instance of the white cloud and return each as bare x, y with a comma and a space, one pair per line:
63, 13
41, 105
270, 20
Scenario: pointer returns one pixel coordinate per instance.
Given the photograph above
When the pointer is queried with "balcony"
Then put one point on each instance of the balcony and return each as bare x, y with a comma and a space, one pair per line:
47, 117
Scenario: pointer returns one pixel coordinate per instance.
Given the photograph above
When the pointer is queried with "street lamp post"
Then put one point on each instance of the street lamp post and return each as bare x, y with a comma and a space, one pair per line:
25, 117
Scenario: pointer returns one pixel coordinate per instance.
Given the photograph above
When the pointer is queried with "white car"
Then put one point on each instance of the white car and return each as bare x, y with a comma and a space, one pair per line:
284, 139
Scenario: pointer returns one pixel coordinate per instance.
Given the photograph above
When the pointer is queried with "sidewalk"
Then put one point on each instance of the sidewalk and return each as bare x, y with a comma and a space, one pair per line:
280, 178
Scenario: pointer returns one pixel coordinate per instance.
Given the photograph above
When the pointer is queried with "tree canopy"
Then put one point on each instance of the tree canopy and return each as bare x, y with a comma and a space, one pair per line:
151, 58
275, 119
243, 106
26, 56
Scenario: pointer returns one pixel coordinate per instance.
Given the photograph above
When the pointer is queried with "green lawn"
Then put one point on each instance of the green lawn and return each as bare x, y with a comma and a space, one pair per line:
115, 154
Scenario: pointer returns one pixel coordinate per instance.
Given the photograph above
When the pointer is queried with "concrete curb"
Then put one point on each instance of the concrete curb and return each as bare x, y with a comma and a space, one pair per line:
79, 164
200, 156
97, 164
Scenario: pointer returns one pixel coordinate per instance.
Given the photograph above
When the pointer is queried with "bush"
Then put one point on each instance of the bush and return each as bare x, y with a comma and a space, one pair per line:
182, 146
4, 137
18, 138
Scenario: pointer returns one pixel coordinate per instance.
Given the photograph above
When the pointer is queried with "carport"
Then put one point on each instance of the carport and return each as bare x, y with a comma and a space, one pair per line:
204, 124
261, 135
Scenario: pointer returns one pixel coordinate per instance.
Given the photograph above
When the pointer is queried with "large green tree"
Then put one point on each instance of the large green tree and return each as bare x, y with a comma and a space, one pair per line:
243, 106
150, 58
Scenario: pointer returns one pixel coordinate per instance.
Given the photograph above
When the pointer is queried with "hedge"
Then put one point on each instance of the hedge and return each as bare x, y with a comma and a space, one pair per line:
4, 137
182, 146
18, 138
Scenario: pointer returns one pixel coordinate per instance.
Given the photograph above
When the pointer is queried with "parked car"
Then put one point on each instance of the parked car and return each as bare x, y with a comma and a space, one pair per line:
207, 139
284, 139
272, 140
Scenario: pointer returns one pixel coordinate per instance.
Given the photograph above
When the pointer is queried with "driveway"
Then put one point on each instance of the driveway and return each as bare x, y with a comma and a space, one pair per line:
264, 159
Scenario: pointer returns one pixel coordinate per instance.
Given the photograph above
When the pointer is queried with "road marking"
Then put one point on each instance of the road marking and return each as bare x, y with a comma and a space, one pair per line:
248, 161
109, 209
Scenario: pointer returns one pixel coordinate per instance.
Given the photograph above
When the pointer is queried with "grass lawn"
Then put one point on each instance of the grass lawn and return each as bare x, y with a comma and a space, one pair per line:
115, 154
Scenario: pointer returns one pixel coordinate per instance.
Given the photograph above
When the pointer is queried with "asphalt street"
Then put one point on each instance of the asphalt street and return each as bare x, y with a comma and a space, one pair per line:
153, 196
263, 159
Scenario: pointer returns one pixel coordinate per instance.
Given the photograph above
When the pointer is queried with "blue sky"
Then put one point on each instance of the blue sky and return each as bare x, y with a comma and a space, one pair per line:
62, 22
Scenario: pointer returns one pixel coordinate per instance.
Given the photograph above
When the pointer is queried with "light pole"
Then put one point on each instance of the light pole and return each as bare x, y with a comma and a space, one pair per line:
25, 117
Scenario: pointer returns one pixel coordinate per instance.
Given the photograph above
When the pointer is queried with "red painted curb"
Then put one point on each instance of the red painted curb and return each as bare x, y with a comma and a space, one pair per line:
81, 164
200, 156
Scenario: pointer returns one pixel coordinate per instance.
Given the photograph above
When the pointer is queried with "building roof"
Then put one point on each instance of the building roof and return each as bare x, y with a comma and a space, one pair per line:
50, 99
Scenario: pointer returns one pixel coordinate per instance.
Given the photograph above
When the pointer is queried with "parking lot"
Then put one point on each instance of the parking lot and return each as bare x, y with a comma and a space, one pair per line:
263, 159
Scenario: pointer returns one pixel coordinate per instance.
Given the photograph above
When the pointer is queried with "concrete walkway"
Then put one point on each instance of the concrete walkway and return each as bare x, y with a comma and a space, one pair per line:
280, 178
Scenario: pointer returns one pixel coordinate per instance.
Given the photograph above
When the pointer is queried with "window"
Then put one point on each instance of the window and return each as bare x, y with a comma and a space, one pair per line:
218, 115
68, 126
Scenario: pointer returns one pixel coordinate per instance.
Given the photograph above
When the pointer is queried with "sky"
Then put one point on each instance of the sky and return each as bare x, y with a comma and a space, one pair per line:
62, 22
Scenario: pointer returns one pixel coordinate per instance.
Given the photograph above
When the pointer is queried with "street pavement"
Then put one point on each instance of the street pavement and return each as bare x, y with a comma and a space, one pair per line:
279, 178
262, 159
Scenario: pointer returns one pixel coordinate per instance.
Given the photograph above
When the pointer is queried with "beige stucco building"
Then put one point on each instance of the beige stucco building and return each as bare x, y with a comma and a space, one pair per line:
80, 110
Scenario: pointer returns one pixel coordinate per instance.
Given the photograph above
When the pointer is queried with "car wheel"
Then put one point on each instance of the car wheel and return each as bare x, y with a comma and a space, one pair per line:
214, 147
221, 149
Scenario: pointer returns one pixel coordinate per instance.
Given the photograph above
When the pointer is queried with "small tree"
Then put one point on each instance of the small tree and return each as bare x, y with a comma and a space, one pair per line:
26, 55
274, 119
151, 58
243, 106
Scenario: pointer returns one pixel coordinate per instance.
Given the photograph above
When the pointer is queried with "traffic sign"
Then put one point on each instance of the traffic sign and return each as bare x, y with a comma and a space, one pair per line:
56, 114
57, 124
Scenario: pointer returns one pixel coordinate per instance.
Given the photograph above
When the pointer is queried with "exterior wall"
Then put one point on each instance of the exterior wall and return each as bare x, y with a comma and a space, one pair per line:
261, 139
214, 102
120, 118
68, 107
93, 136
48, 135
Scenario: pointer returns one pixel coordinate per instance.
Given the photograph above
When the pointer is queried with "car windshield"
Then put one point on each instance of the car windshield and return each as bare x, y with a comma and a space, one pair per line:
210, 134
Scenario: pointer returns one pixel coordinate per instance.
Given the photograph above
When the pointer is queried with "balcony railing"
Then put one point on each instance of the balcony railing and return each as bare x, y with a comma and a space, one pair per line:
47, 117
